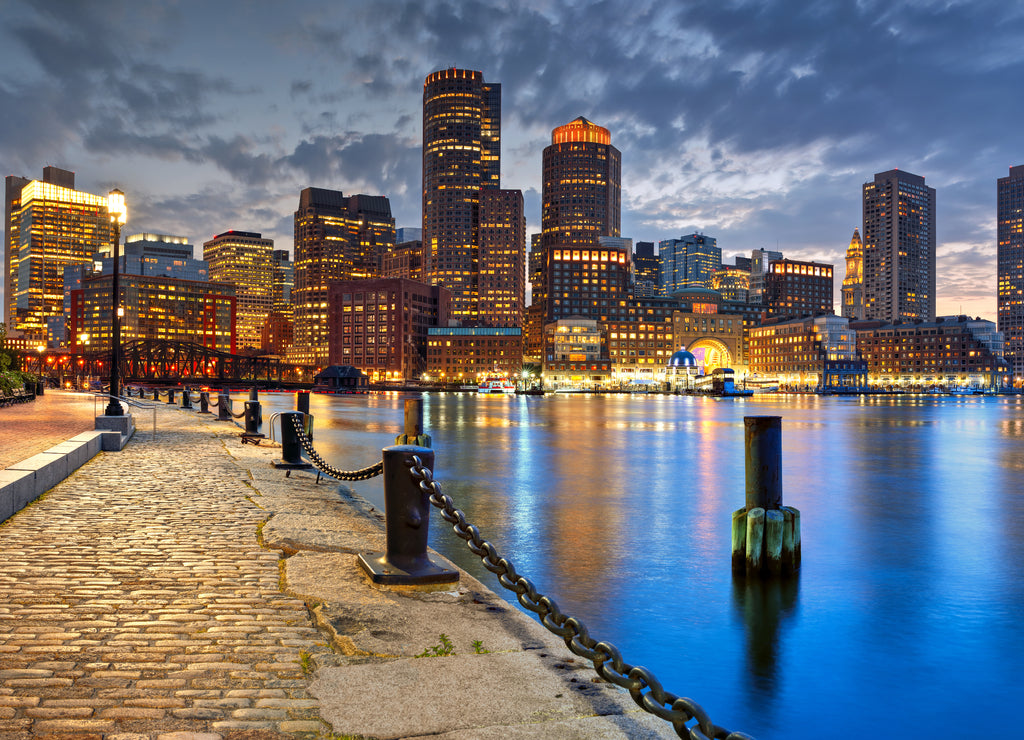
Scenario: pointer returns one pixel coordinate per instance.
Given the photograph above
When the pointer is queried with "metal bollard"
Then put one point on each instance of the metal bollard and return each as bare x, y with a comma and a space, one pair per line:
762, 437
407, 513
254, 394
223, 407
302, 401
413, 434
204, 402
186, 398
170, 396
291, 447
252, 421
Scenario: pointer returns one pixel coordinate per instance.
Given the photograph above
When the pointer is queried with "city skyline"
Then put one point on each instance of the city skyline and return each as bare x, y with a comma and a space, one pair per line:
753, 123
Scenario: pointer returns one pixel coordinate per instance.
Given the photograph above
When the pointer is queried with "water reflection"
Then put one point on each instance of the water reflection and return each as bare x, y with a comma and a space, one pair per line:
619, 508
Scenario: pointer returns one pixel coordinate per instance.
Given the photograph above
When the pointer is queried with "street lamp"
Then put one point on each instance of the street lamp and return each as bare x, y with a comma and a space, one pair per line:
118, 215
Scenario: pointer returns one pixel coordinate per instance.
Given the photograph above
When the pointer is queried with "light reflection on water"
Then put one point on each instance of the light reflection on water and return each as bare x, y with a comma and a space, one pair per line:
618, 507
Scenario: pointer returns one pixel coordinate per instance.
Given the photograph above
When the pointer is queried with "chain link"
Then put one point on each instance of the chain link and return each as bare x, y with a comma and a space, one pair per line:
320, 464
642, 685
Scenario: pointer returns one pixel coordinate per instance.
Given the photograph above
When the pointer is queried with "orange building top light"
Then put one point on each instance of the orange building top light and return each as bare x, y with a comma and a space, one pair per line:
581, 130
453, 73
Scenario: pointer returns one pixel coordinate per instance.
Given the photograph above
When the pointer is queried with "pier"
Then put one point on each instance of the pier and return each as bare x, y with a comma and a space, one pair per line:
185, 585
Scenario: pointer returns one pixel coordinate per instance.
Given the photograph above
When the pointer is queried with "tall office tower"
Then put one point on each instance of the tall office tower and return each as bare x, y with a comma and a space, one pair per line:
688, 262
50, 226
899, 248
283, 279
502, 281
337, 237
646, 271
760, 262
1010, 266
582, 190
461, 156
590, 283
853, 283
732, 282
243, 259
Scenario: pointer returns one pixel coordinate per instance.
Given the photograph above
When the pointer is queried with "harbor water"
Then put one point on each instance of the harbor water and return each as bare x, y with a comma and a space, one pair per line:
905, 618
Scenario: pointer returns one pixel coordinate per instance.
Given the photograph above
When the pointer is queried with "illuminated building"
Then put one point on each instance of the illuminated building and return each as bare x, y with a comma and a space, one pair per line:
196, 311
952, 351
461, 156
471, 354
853, 283
821, 351
638, 350
589, 282
795, 288
50, 227
502, 274
732, 282
580, 203
380, 325
582, 190
283, 280
404, 261
243, 259
337, 237
159, 254
646, 271
534, 315
899, 248
1010, 266
278, 333
716, 338
760, 263
575, 355
688, 262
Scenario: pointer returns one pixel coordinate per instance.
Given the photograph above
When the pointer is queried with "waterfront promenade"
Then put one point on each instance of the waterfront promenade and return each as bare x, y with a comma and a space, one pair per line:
30, 428
184, 589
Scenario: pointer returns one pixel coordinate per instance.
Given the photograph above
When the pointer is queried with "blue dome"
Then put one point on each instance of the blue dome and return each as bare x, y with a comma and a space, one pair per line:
682, 358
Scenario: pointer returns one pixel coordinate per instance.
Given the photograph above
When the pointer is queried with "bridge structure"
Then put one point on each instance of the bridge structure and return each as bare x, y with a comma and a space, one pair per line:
165, 362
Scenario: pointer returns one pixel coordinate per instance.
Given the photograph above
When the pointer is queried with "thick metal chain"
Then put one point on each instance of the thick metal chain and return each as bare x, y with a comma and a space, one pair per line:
605, 656
320, 464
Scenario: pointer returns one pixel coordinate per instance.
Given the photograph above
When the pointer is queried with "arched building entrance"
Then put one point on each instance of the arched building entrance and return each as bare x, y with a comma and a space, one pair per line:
710, 354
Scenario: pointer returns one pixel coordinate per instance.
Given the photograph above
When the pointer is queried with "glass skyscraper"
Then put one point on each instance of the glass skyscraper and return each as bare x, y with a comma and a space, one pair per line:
1010, 266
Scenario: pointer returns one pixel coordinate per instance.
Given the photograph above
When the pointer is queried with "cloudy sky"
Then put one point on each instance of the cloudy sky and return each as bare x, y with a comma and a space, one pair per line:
754, 122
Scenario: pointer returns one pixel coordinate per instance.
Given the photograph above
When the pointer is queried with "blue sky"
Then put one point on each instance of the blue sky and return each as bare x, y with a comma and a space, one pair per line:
754, 122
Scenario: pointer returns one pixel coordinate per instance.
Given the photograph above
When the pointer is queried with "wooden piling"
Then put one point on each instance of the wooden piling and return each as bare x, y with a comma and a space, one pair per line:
739, 540
755, 540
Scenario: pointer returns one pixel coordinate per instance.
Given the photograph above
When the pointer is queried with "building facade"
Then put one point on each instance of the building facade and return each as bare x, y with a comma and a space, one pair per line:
591, 283
808, 353
646, 271
380, 325
732, 282
337, 237
404, 261
1010, 267
502, 259
575, 355
466, 355
244, 259
795, 288
461, 156
899, 248
760, 263
155, 308
638, 351
950, 352
688, 262
50, 227
853, 282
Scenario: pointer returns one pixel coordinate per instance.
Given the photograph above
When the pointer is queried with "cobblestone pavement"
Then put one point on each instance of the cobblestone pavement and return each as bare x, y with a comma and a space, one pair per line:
29, 428
137, 604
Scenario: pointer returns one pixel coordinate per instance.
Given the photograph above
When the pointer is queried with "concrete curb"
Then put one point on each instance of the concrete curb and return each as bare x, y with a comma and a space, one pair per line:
24, 482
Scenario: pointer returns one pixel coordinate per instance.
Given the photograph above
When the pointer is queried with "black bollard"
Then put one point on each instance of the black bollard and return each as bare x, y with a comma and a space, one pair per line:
302, 401
407, 513
204, 402
170, 396
252, 422
223, 406
291, 447
186, 398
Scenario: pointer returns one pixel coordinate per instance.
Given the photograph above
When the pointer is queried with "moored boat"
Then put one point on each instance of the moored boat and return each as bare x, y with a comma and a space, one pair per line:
496, 385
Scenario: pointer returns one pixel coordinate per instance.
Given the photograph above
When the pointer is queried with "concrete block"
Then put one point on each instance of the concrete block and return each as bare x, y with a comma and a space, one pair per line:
75, 452
124, 426
49, 470
92, 440
17, 490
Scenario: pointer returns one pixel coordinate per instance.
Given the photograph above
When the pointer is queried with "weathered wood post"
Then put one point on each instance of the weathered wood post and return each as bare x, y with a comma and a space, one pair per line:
413, 434
765, 534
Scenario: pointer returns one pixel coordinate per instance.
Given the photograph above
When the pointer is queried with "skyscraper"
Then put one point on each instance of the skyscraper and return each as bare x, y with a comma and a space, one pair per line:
1010, 266
337, 237
760, 262
50, 226
243, 259
899, 248
688, 262
502, 281
646, 271
853, 283
461, 156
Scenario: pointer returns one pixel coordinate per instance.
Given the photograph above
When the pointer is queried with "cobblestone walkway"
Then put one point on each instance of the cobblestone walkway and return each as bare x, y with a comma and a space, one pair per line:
29, 428
136, 603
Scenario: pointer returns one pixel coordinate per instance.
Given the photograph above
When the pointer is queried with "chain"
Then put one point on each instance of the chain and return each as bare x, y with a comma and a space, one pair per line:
320, 464
605, 656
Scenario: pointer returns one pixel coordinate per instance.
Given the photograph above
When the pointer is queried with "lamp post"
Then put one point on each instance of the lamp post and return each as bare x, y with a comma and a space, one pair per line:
118, 215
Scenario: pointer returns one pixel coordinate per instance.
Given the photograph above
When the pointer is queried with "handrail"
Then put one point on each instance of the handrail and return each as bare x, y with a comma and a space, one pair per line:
97, 395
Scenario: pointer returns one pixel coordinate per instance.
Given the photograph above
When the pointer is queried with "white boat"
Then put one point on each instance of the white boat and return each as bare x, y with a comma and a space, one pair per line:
496, 385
